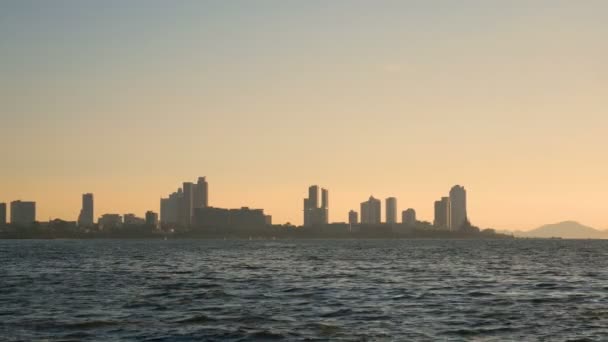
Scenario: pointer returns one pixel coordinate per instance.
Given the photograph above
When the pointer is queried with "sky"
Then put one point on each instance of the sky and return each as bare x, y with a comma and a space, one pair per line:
128, 99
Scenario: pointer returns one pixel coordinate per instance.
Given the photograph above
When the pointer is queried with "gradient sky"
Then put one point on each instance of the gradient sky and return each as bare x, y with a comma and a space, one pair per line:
127, 99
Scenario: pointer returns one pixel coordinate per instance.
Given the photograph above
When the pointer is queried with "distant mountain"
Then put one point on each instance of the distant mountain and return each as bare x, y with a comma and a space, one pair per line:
565, 230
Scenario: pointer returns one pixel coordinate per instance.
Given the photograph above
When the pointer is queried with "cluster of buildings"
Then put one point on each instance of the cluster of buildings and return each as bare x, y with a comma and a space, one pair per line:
451, 211
315, 212
371, 213
189, 206
179, 207
22, 213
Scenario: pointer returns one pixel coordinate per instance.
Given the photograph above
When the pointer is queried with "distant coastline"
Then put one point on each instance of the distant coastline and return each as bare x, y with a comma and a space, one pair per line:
330, 231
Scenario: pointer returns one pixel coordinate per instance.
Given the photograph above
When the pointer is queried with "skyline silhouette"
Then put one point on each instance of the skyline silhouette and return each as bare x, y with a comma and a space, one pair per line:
182, 207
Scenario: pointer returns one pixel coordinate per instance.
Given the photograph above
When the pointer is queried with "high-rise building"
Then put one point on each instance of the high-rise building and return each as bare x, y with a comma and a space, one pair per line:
353, 217
313, 213
2, 214
169, 208
391, 210
201, 193
85, 219
151, 219
408, 217
458, 208
325, 205
442, 213
186, 204
23, 213
313, 196
371, 211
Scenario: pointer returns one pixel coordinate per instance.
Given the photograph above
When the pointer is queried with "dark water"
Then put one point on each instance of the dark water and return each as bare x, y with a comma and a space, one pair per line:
303, 290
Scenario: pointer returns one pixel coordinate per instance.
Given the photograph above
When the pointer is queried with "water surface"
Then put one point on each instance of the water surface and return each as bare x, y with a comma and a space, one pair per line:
351, 290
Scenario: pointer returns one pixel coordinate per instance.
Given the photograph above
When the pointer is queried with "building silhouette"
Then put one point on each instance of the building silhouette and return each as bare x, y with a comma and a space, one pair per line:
151, 219
315, 213
2, 214
86, 217
169, 208
23, 213
109, 221
133, 220
408, 217
201, 194
186, 204
268, 219
371, 211
442, 213
220, 217
178, 207
458, 208
391, 210
353, 217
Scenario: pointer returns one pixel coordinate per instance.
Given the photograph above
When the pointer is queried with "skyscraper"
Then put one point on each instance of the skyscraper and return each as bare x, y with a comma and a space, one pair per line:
391, 210
371, 211
408, 217
313, 213
2, 214
458, 208
23, 213
353, 217
201, 193
85, 219
313, 196
169, 208
442, 213
325, 205
186, 204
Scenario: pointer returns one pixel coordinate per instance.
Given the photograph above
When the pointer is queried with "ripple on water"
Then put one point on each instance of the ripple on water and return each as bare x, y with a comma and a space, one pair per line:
363, 290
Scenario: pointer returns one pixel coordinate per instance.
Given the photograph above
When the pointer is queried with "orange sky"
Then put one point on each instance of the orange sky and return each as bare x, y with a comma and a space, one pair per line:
384, 99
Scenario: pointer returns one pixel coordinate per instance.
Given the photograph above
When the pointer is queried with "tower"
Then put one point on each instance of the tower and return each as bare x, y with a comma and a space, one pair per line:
371, 211
201, 193
391, 210
85, 219
458, 208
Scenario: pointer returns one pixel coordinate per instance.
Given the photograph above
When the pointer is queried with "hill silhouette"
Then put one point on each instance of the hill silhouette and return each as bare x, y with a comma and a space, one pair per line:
566, 230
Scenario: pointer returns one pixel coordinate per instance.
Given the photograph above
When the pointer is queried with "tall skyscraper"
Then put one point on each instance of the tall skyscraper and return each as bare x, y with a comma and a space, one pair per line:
391, 210
201, 193
371, 211
313, 213
353, 217
408, 217
325, 205
442, 213
313, 196
2, 214
186, 204
86, 218
458, 208
169, 208
23, 213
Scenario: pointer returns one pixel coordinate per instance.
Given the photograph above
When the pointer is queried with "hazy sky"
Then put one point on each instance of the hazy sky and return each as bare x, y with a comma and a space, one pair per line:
127, 99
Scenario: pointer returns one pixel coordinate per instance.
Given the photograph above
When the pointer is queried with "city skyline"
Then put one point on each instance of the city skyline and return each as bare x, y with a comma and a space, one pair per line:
171, 210
387, 98
180, 209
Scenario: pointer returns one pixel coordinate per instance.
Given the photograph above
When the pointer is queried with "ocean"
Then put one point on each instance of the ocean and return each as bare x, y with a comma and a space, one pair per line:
297, 290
